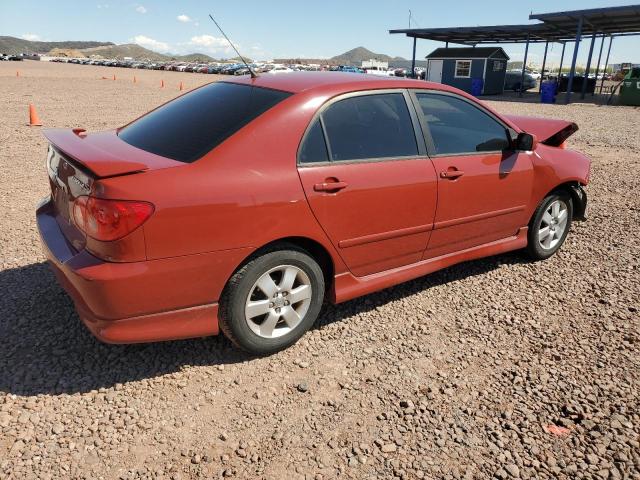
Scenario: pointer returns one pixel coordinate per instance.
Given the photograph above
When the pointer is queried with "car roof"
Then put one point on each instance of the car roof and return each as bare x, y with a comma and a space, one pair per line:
296, 82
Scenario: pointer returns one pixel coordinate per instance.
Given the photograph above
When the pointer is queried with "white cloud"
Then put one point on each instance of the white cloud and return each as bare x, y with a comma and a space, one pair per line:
103, 5
31, 36
151, 44
215, 46
208, 41
183, 18
141, 9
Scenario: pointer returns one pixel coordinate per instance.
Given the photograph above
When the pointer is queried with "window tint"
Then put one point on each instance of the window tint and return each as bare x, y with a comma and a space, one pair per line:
190, 126
314, 148
370, 126
457, 126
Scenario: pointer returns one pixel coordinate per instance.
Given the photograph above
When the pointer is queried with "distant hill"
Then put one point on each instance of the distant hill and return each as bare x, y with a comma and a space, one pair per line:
126, 50
13, 45
192, 57
357, 55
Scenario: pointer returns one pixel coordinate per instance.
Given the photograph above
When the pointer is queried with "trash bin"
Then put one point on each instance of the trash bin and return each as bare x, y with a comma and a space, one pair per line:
630, 88
548, 91
476, 86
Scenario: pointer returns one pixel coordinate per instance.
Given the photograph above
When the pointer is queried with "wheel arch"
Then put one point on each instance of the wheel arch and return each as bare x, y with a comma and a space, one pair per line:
578, 197
312, 247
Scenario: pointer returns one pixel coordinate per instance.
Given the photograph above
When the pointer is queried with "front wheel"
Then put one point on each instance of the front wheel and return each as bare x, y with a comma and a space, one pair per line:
550, 225
272, 301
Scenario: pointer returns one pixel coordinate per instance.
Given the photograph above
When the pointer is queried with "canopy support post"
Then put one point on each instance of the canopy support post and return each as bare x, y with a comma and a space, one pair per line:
585, 77
572, 72
524, 65
606, 63
564, 45
544, 63
598, 65
413, 59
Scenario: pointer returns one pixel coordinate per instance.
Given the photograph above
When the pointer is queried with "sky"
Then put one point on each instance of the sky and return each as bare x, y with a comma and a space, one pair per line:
285, 28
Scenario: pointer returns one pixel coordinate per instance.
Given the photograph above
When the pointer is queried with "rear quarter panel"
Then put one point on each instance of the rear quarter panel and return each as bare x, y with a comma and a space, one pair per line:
244, 193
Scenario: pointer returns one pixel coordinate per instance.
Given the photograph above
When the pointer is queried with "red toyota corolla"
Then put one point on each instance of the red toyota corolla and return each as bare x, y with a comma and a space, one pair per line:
246, 203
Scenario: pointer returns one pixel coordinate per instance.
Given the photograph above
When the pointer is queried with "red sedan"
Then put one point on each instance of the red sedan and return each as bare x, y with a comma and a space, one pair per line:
244, 204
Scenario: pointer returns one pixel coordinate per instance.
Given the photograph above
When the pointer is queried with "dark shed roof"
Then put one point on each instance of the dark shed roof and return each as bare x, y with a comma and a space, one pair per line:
466, 52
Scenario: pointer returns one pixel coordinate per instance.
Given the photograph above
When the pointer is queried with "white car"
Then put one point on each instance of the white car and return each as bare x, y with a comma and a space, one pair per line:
280, 69
379, 71
535, 75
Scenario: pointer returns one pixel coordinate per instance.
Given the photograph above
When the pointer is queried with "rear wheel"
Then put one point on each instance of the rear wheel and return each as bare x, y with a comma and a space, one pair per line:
272, 301
550, 225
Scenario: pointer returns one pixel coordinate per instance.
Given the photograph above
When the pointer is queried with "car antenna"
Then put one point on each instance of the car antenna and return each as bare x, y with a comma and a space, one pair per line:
253, 74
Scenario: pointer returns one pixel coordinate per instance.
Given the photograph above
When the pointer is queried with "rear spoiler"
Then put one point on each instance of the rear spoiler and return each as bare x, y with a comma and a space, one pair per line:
549, 131
104, 154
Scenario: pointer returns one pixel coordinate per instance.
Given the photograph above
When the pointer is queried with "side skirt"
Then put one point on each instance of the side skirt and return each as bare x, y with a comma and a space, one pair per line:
347, 286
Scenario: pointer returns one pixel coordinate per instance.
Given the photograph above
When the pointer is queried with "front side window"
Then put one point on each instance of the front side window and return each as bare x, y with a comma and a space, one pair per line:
370, 126
458, 127
463, 68
190, 126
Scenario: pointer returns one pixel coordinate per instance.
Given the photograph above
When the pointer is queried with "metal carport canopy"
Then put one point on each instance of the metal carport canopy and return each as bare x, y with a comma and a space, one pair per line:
616, 21
534, 33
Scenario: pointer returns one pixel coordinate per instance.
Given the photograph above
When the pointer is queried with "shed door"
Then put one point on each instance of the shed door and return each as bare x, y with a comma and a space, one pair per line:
435, 71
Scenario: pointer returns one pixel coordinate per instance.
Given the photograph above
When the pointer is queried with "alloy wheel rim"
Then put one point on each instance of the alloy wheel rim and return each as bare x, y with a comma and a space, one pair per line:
553, 224
278, 301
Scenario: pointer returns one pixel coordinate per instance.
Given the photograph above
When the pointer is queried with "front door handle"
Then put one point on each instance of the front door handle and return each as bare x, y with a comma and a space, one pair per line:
330, 186
451, 174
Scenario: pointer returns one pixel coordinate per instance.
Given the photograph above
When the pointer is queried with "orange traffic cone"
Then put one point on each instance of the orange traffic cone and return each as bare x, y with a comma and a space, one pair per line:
134, 79
161, 83
114, 77
34, 120
17, 73
181, 88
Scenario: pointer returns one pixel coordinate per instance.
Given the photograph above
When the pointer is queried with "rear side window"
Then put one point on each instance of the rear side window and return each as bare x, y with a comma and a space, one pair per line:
457, 127
370, 126
190, 126
314, 148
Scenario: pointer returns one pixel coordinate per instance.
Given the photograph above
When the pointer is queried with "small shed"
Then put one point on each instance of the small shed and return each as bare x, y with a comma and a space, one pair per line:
458, 67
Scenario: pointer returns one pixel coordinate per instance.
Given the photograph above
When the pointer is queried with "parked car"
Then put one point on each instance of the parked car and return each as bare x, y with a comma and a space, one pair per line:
350, 69
244, 204
513, 81
277, 69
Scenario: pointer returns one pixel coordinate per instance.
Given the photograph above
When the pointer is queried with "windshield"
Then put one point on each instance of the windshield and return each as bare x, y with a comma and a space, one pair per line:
192, 125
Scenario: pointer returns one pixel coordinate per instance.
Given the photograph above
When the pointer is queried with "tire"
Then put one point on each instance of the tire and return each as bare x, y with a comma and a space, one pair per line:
548, 228
250, 302
516, 87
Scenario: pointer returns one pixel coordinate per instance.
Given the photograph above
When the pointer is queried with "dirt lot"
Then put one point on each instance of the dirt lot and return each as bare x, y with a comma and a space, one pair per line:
455, 375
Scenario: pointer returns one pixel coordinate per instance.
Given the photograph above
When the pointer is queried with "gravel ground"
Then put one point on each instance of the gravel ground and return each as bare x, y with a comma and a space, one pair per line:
494, 368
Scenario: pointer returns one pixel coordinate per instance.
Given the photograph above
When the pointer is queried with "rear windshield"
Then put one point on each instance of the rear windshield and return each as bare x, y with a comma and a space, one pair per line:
192, 125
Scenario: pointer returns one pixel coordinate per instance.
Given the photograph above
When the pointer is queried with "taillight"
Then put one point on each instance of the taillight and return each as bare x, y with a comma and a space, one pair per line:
108, 220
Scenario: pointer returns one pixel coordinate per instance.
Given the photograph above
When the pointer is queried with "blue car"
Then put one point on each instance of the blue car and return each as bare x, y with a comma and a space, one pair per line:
350, 69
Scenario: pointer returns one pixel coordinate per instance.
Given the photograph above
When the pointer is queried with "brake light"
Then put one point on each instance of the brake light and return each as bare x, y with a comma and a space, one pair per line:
108, 220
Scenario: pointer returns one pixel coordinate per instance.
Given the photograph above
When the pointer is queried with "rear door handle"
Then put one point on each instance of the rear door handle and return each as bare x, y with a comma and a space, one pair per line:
451, 174
330, 186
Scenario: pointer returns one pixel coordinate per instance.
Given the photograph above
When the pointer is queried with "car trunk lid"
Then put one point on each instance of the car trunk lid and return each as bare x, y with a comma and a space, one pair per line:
76, 161
549, 131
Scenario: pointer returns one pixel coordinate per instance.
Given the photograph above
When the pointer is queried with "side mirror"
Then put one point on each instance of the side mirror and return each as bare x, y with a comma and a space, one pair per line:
526, 142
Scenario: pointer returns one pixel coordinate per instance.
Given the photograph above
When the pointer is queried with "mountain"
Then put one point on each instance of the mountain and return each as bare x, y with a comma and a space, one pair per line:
126, 50
13, 45
357, 55
192, 57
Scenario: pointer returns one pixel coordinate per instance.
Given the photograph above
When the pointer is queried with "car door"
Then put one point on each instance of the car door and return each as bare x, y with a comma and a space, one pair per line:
483, 184
368, 180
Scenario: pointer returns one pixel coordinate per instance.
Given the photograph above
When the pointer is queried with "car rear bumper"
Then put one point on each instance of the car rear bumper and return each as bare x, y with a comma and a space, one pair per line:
125, 302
